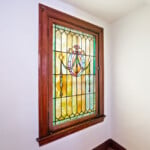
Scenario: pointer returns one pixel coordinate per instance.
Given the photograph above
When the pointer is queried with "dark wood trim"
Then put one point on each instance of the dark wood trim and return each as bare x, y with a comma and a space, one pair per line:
109, 144
46, 17
43, 74
116, 146
67, 131
53, 13
102, 146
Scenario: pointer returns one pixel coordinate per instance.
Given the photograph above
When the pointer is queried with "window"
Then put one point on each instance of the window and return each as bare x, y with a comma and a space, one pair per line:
71, 74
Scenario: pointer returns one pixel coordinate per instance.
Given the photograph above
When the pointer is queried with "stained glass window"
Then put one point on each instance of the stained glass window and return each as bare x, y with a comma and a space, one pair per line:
73, 74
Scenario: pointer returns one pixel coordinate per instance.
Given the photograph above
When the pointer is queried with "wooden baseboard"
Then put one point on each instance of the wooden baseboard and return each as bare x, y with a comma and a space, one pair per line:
110, 144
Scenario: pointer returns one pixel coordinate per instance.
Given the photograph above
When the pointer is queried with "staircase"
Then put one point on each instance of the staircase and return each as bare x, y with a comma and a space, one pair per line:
110, 145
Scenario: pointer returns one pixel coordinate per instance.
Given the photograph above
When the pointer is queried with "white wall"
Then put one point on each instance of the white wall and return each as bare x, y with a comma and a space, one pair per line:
131, 80
19, 79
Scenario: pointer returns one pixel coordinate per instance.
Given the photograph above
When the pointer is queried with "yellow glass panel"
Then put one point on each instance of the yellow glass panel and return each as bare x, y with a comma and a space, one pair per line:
64, 90
79, 85
87, 71
64, 42
69, 85
91, 47
70, 40
64, 59
74, 40
79, 42
58, 108
84, 63
64, 105
69, 105
91, 65
58, 40
73, 85
83, 103
74, 104
83, 84
67, 59
57, 63
60, 88
83, 44
87, 46
79, 104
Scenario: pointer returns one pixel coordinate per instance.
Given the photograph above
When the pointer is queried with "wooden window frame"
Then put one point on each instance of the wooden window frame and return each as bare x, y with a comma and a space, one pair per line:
46, 17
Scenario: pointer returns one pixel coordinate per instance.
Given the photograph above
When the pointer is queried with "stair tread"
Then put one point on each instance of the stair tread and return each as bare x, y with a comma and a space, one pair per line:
110, 148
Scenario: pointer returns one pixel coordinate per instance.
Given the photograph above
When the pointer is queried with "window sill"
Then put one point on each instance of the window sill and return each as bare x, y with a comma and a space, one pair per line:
62, 133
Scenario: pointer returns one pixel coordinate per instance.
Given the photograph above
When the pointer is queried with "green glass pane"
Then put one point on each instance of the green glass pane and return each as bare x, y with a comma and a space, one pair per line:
94, 102
87, 84
94, 86
54, 86
91, 102
94, 46
94, 65
91, 65
54, 113
54, 59
91, 47
91, 84
87, 102
54, 38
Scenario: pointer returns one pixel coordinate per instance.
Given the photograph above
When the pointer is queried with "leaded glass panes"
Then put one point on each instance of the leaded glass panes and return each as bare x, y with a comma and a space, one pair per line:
74, 61
71, 89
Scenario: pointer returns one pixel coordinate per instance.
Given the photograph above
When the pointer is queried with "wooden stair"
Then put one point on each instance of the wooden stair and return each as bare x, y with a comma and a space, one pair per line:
110, 145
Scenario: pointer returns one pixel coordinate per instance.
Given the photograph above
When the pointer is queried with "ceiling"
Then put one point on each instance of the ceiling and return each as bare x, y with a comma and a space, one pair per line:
108, 10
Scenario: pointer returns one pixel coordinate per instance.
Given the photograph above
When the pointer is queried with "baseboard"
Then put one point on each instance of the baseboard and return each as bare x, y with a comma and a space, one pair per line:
109, 144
